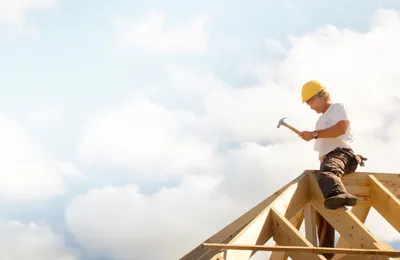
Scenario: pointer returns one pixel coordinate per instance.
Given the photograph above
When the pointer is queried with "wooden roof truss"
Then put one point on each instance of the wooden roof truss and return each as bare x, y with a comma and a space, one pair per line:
280, 216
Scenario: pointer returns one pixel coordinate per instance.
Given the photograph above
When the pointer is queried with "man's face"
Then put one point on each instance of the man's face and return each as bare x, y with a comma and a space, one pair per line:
316, 103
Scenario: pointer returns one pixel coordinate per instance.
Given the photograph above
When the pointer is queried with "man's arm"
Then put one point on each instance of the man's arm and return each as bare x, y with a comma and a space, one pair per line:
334, 131
331, 132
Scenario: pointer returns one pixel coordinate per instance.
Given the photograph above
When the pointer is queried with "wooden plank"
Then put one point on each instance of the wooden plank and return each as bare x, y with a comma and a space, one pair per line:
259, 230
293, 200
361, 178
226, 234
313, 250
296, 221
357, 183
286, 234
366, 257
310, 224
348, 225
291, 206
361, 212
385, 202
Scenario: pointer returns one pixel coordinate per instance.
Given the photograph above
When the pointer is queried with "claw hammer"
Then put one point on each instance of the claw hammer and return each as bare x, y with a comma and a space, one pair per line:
282, 122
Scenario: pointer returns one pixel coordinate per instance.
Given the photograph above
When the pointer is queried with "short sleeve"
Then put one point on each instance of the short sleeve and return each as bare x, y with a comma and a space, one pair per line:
340, 113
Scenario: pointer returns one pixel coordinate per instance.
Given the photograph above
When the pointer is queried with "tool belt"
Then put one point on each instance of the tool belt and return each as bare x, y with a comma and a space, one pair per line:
358, 158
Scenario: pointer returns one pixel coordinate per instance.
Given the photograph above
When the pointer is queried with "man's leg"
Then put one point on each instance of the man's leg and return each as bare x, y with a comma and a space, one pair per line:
329, 180
332, 169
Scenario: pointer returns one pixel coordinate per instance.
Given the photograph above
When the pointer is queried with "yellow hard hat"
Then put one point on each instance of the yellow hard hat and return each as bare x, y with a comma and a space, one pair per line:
310, 89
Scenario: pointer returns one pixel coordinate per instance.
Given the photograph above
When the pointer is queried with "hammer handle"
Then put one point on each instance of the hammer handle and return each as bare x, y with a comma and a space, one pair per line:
292, 128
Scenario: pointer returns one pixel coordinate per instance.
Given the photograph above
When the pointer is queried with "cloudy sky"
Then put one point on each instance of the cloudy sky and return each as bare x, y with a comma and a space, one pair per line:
137, 129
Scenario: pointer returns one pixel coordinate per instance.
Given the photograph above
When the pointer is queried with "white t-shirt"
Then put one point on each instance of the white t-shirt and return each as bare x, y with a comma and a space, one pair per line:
335, 113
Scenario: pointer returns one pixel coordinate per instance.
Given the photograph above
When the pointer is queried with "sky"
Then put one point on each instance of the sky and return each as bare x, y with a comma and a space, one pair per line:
138, 129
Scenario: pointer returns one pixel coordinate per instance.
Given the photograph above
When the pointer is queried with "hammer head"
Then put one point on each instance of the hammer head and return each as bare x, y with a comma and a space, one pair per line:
281, 122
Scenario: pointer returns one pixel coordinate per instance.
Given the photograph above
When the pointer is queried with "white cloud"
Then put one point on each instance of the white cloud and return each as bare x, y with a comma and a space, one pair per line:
13, 13
31, 241
172, 220
147, 138
26, 170
151, 32
238, 114
252, 172
179, 218
358, 68
45, 114
275, 46
158, 140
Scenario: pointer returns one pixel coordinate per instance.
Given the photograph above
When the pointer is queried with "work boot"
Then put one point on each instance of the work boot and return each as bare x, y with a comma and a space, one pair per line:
340, 200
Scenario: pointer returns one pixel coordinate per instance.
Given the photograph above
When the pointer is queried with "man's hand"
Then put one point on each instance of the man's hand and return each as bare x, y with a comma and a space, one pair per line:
306, 135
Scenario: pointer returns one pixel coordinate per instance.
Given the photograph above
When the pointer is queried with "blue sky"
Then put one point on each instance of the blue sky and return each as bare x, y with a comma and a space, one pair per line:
87, 98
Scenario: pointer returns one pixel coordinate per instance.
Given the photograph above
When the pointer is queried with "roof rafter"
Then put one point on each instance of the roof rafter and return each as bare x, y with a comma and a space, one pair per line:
280, 216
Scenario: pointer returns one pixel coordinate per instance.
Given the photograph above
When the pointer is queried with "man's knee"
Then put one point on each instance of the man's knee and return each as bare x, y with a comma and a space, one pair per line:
324, 177
326, 182
332, 167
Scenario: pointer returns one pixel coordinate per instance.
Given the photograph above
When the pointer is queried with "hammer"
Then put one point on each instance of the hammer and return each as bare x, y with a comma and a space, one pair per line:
282, 122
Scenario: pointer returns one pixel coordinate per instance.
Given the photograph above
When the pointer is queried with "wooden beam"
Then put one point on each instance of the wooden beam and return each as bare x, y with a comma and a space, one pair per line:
365, 257
361, 212
357, 183
286, 234
308, 249
348, 225
259, 230
256, 224
291, 207
296, 221
310, 224
226, 234
293, 199
385, 202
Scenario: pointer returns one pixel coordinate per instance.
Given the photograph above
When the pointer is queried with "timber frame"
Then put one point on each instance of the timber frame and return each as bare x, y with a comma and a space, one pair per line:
281, 215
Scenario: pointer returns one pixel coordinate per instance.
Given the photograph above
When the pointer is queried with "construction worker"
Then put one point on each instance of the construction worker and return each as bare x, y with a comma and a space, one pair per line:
333, 139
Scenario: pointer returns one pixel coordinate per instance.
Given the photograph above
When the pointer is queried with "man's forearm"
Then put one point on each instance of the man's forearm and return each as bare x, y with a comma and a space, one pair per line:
334, 131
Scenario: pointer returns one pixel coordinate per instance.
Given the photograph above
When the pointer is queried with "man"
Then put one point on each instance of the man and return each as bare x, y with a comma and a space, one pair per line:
333, 141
